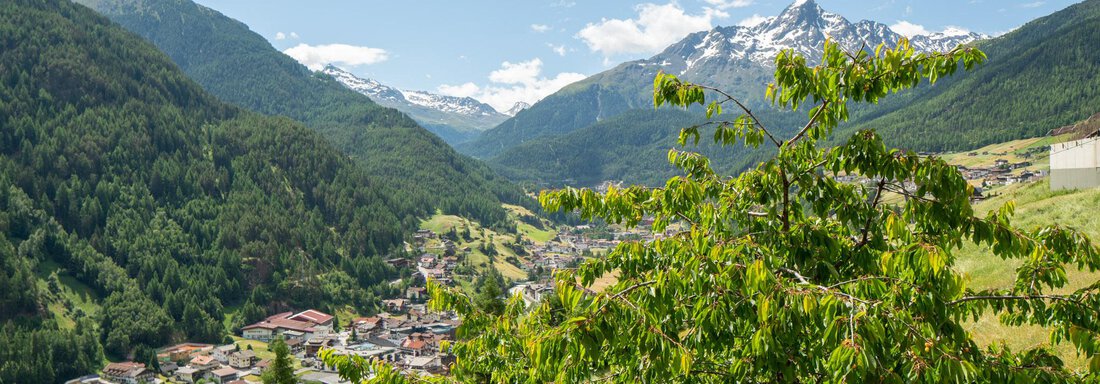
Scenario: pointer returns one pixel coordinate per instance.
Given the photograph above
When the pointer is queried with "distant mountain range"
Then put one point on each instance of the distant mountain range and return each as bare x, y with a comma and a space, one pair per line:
738, 59
455, 119
1038, 77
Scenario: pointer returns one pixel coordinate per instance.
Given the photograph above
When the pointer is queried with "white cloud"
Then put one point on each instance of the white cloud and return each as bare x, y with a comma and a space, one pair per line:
908, 29
558, 49
316, 56
461, 90
752, 21
727, 4
540, 28
656, 27
284, 36
1034, 4
512, 83
952, 30
516, 73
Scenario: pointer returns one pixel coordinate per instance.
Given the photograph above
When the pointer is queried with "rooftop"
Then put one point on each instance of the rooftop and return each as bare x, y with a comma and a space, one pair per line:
312, 315
223, 372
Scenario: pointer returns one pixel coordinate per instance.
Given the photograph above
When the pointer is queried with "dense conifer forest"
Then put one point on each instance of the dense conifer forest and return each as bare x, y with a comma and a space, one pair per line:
121, 176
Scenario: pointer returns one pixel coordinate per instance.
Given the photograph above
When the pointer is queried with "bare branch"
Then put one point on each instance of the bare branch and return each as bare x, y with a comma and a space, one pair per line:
745, 109
1013, 298
864, 237
809, 124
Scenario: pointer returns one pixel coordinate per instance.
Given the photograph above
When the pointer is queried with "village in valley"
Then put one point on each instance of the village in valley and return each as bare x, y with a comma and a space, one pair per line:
449, 250
457, 252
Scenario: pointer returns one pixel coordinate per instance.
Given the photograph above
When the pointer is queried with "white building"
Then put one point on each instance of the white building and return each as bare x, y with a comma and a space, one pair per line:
1075, 164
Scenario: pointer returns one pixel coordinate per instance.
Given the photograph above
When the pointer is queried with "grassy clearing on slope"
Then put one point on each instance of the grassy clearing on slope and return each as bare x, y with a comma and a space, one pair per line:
539, 236
440, 224
1036, 206
72, 290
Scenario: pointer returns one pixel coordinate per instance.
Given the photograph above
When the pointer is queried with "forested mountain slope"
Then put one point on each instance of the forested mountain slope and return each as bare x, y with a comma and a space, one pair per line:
121, 176
633, 147
240, 67
1039, 77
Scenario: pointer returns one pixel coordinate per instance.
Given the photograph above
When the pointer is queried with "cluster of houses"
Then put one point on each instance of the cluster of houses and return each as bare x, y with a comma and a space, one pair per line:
410, 339
1002, 172
191, 363
437, 268
186, 363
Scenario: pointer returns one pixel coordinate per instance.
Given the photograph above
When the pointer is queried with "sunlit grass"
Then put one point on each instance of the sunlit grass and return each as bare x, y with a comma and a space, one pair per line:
1036, 206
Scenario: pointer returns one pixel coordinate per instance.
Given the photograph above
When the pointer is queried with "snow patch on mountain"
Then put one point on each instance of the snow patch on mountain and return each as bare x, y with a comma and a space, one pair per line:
803, 26
382, 94
520, 106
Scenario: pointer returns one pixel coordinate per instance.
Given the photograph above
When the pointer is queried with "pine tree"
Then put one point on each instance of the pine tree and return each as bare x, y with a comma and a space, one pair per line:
281, 370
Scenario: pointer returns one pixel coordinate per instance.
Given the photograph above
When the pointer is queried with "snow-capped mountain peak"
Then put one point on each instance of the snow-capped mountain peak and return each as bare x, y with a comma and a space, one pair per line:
517, 108
802, 26
372, 88
455, 119
451, 104
384, 94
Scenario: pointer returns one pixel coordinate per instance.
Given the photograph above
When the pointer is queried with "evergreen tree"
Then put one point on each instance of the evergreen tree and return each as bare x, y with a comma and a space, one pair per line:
490, 289
281, 370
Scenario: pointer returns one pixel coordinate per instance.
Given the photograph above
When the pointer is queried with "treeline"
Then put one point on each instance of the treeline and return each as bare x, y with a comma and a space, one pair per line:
240, 67
120, 173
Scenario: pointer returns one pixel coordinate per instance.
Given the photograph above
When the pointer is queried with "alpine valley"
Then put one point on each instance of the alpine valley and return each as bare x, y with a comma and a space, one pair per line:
180, 201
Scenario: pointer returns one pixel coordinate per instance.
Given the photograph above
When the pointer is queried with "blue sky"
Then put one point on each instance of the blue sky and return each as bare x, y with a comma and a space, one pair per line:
506, 51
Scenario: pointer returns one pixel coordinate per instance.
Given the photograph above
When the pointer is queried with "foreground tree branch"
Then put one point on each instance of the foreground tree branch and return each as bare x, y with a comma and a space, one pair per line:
788, 298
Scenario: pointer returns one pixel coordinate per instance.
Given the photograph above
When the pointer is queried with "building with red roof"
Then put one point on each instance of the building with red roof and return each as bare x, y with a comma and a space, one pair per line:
128, 372
304, 324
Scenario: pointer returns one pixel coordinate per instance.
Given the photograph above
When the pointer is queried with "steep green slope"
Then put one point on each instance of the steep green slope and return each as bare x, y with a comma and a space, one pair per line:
1039, 77
126, 179
239, 66
576, 106
631, 147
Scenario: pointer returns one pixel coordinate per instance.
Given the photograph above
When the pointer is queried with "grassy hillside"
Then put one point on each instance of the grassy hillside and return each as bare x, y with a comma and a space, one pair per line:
475, 257
1036, 205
